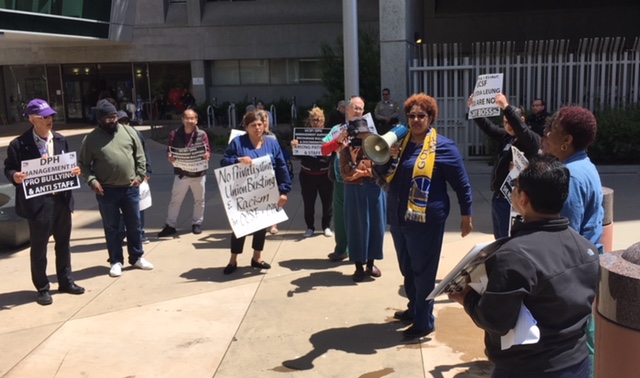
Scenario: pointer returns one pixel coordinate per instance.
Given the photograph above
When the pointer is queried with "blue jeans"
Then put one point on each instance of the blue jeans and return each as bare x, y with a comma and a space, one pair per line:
418, 247
124, 200
501, 216
122, 231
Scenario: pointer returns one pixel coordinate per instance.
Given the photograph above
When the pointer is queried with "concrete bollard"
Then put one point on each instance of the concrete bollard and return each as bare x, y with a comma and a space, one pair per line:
607, 223
617, 314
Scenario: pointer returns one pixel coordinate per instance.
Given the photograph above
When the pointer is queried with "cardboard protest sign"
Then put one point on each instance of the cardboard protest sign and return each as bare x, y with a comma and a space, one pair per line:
484, 96
49, 175
250, 195
190, 159
309, 141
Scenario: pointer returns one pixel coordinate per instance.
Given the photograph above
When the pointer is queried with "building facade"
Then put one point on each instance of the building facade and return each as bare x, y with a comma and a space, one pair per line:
147, 53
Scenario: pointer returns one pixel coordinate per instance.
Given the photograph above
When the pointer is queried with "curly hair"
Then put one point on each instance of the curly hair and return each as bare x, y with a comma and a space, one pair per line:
315, 112
427, 103
578, 122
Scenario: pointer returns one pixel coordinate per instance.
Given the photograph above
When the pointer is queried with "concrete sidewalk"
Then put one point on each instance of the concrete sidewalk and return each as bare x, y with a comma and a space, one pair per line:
185, 318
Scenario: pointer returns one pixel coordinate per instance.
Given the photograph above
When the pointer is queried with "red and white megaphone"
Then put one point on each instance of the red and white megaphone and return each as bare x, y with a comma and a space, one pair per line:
378, 148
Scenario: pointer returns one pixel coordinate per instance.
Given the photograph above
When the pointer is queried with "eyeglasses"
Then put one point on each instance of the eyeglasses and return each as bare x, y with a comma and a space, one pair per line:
418, 116
316, 120
190, 118
358, 109
41, 117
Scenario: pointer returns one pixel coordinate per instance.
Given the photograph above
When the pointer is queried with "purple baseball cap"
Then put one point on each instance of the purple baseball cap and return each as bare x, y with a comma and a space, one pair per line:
40, 108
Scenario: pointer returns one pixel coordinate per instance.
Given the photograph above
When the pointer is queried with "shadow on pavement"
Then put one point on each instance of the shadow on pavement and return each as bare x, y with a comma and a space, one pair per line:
16, 298
476, 369
359, 339
320, 279
216, 275
310, 264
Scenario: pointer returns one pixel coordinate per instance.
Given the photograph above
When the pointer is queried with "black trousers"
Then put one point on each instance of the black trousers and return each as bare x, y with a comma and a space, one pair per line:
312, 185
54, 219
257, 242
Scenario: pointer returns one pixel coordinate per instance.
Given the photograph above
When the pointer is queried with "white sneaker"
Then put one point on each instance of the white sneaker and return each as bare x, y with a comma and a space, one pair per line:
308, 233
143, 264
116, 270
328, 233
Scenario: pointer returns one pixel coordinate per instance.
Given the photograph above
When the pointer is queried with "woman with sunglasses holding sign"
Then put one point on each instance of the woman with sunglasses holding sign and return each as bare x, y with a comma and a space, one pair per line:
418, 205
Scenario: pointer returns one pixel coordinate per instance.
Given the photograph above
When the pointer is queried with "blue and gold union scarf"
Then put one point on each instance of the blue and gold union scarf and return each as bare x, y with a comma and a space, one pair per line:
421, 178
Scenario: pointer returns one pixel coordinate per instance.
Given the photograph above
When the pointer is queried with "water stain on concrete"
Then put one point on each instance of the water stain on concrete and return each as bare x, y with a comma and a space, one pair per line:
455, 329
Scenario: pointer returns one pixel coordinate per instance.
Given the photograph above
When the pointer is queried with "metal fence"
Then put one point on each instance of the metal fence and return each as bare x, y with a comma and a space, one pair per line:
597, 73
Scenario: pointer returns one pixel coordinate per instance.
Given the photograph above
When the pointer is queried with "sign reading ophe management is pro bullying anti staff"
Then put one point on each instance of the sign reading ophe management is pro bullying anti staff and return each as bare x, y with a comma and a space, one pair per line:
190, 159
250, 195
309, 141
49, 175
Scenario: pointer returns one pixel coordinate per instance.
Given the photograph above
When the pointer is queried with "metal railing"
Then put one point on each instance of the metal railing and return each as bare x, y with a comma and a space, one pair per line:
600, 72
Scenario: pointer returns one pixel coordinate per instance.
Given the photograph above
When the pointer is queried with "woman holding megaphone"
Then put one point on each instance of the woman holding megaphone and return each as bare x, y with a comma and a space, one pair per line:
418, 205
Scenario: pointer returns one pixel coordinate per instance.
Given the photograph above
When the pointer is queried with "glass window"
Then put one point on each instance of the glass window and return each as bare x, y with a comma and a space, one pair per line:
310, 70
254, 71
225, 72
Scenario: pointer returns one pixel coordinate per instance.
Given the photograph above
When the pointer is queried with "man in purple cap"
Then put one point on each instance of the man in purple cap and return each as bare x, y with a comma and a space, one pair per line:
113, 165
48, 214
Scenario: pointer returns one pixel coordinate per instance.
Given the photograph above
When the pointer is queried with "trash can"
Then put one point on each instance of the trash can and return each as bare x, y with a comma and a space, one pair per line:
617, 315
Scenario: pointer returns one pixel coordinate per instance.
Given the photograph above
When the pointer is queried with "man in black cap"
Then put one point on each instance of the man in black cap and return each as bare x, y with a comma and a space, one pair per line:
111, 172
48, 214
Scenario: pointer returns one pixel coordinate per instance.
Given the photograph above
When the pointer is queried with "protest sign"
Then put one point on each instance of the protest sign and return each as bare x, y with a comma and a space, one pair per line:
235, 133
190, 159
520, 162
49, 175
309, 141
145, 196
484, 96
370, 124
250, 195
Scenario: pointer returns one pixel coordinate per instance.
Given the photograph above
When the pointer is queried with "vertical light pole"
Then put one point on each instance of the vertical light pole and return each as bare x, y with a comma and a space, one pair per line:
350, 38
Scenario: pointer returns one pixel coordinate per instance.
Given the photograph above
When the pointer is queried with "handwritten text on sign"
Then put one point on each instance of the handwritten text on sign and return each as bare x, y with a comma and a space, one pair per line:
250, 196
49, 175
190, 159
484, 96
309, 141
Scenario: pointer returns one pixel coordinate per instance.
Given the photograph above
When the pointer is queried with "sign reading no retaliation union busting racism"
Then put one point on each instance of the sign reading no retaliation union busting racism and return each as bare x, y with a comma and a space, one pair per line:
49, 175
250, 196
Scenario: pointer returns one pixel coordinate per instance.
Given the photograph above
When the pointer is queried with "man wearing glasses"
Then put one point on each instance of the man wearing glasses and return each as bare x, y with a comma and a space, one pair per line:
48, 214
538, 116
113, 165
386, 112
188, 135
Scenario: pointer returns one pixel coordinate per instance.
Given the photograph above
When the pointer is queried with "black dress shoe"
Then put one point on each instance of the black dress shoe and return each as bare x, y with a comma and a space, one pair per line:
71, 289
44, 298
414, 333
230, 268
404, 316
260, 265
359, 275
196, 229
